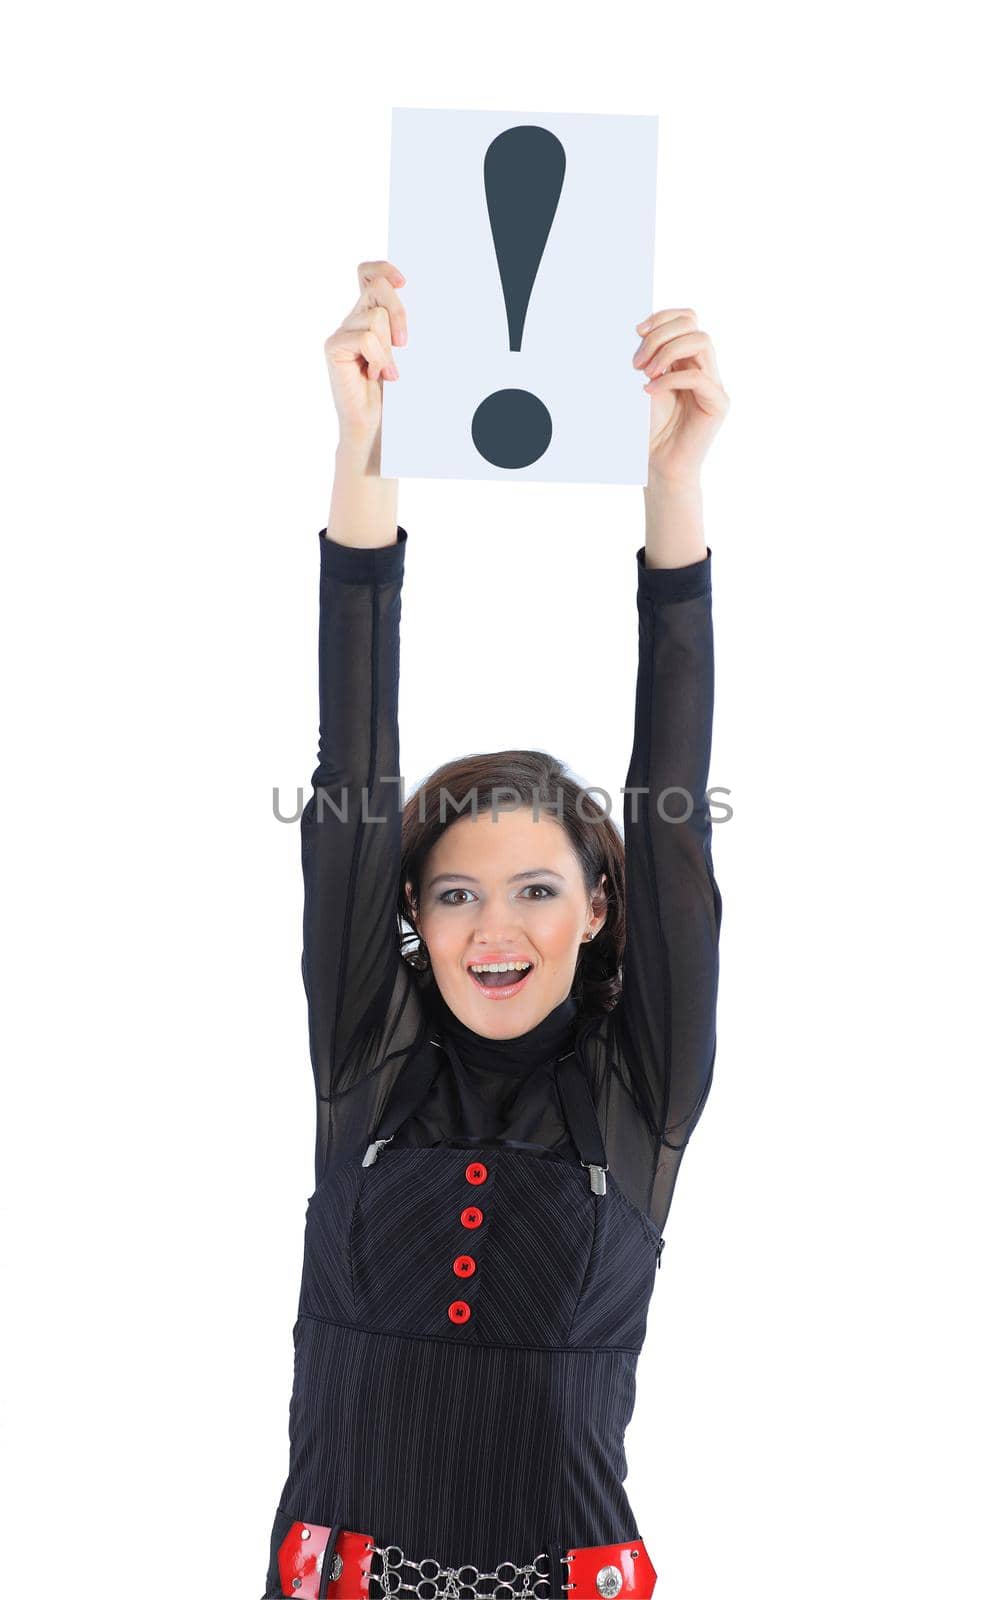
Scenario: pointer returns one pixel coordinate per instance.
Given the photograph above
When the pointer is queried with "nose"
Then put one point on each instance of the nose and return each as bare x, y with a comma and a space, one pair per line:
494, 931
497, 939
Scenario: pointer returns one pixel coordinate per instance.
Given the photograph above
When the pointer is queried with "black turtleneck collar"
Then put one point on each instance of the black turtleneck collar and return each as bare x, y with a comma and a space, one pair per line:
552, 1036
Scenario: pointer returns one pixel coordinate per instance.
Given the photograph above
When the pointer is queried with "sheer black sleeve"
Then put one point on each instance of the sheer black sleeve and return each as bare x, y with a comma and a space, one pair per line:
665, 1019
351, 823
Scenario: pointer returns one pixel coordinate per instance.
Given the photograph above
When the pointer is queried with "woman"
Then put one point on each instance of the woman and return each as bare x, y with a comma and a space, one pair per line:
502, 1111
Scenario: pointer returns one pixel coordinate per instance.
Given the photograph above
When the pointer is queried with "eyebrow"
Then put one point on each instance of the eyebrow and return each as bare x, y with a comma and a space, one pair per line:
462, 877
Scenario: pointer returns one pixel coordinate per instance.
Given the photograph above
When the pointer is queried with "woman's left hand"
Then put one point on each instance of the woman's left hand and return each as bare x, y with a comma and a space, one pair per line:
688, 401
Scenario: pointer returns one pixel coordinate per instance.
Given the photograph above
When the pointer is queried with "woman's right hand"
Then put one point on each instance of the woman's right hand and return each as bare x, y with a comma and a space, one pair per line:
358, 355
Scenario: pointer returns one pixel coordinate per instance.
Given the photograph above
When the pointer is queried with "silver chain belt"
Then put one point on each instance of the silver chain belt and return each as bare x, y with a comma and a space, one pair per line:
433, 1581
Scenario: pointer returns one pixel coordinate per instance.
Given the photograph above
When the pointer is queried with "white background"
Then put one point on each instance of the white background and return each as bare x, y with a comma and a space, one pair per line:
189, 190
596, 272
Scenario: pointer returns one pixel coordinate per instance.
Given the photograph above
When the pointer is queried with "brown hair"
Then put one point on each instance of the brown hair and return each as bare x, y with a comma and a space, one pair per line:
507, 779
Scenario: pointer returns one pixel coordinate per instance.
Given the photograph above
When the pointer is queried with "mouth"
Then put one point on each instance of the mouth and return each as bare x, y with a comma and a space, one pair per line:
500, 985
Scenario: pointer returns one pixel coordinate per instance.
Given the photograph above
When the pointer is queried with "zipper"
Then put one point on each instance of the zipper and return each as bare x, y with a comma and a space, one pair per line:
660, 1247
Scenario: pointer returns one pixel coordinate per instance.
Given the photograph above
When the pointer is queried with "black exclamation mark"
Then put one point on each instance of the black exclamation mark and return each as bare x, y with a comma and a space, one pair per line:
524, 172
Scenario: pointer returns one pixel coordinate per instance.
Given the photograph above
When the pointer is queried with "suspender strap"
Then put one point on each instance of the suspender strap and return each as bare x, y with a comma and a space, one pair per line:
416, 1078
410, 1088
580, 1116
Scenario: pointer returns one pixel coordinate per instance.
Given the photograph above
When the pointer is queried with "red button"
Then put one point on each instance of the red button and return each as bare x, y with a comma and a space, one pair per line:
477, 1172
471, 1217
464, 1266
458, 1311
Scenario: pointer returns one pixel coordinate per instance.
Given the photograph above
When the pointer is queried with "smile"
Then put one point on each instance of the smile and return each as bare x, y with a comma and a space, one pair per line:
499, 985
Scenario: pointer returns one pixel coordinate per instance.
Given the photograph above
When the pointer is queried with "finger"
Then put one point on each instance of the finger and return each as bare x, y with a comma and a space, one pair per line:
661, 334
658, 317
379, 283
711, 395
389, 320
664, 325
686, 378
355, 342
374, 269
378, 356
375, 319
664, 316
684, 347
382, 298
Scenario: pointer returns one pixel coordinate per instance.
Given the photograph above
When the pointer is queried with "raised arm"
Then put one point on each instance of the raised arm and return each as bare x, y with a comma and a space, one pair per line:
351, 824
666, 1015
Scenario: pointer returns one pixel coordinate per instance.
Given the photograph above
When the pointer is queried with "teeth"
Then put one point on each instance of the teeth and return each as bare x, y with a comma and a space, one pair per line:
500, 966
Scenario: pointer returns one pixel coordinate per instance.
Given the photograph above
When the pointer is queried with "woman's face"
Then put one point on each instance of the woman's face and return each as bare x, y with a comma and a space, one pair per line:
504, 886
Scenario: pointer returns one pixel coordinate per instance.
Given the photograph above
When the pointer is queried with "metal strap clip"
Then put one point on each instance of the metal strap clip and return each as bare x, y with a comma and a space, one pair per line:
597, 1176
374, 1150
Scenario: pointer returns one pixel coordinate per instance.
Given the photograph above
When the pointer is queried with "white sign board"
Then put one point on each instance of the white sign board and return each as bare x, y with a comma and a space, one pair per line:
527, 244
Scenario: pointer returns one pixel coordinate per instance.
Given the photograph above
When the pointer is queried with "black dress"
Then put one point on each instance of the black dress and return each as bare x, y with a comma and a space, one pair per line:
474, 1298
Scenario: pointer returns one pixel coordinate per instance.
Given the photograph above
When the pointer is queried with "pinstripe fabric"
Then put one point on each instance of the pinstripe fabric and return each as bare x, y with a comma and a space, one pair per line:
439, 1436
556, 1265
443, 1447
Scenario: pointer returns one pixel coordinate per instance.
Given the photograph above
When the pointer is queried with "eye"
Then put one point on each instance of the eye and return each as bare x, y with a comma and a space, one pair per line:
543, 892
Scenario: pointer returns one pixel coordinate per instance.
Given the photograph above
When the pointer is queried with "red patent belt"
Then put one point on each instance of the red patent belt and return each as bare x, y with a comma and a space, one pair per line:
305, 1561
